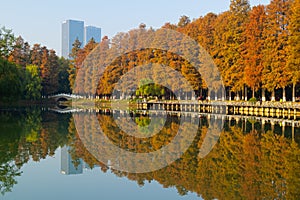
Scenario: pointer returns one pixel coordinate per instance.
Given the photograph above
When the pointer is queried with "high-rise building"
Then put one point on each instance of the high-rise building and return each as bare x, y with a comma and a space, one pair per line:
71, 30
74, 29
92, 32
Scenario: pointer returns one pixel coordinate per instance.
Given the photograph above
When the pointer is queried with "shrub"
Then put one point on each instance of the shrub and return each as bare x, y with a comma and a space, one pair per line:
253, 100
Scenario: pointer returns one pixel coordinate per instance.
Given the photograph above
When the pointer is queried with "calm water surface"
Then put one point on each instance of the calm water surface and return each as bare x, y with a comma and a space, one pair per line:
42, 156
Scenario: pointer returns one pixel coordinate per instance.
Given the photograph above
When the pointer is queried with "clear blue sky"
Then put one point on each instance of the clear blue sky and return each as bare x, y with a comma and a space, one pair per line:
40, 21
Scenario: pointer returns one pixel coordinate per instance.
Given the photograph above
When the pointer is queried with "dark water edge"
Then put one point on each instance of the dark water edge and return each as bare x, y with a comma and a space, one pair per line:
27, 104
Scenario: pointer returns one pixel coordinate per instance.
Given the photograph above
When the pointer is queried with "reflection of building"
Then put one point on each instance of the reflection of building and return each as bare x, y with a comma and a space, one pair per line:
69, 166
92, 32
72, 30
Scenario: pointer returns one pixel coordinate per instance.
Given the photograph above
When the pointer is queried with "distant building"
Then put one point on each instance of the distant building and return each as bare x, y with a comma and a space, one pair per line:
68, 165
74, 29
71, 30
92, 32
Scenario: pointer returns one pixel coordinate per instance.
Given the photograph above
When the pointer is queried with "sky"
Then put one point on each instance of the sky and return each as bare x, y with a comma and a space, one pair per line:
40, 21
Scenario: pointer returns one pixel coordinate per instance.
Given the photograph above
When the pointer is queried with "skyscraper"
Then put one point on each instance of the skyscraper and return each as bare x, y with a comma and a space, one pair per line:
71, 30
92, 32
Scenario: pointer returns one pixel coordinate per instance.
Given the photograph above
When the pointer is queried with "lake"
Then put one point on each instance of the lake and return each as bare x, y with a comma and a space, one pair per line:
49, 155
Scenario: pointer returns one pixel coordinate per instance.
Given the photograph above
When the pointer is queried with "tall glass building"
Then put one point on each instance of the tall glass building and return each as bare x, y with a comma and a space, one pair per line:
92, 32
71, 30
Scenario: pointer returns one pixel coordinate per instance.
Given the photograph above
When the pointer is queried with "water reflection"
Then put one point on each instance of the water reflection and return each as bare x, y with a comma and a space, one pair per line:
251, 160
68, 165
24, 135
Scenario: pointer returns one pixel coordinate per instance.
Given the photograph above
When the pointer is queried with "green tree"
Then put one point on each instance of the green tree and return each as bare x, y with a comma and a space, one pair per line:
148, 88
11, 78
63, 76
33, 86
7, 42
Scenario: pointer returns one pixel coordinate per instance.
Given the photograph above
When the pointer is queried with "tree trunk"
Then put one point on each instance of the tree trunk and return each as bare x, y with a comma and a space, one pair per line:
263, 126
293, 132
246, 93
237, 95
223, 91
243, 93
208, 94
273, 95
294, 92
216, 95
263, 91
283, 95
193, 97
253, 92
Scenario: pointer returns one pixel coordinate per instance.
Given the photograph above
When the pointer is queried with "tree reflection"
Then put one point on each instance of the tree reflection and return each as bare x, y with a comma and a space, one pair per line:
252, 165
8, 172
9, 138
27, 134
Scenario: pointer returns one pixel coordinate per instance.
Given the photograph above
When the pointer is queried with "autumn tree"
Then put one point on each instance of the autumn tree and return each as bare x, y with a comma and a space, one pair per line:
73, 68
219, 52
239, 10
20, 55
168, 25
36, 55
293, 62
50, 74
183, 21
84, 73
254, 47
275, 73
207, 28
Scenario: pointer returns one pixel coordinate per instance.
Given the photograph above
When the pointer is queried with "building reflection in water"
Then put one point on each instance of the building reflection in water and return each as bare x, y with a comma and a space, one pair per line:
68, 165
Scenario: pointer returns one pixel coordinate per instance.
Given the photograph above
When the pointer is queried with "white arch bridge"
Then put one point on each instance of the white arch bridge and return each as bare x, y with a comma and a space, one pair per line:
64, 97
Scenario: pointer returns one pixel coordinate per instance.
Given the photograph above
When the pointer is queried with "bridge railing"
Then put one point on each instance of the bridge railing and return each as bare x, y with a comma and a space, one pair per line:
72, 96
266, 104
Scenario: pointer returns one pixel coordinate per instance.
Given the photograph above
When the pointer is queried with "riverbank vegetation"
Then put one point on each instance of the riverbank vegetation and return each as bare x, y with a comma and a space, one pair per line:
256, 49
29, 72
